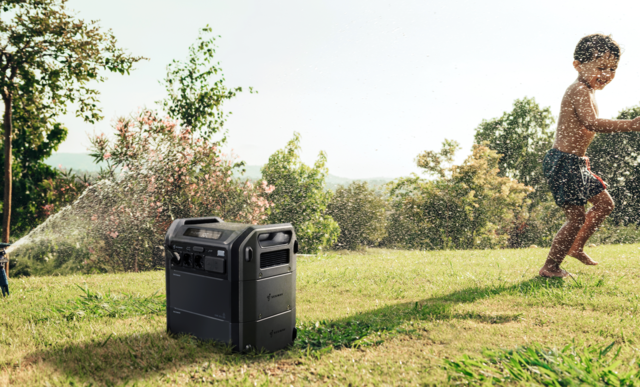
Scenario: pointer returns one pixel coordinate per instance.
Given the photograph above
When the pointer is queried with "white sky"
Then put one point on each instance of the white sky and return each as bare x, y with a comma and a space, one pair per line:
373, 83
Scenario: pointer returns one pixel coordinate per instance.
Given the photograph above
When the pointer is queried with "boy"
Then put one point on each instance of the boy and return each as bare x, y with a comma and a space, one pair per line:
565, 166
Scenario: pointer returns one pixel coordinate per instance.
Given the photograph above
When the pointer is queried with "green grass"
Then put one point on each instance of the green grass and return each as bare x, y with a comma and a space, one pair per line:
382, 317
588, 366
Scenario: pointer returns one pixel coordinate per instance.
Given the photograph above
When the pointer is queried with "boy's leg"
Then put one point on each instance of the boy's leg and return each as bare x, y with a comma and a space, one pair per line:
5, 289
602, 206
563, 241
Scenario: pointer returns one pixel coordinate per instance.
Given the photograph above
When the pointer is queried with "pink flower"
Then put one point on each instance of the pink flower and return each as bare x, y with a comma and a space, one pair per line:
94, 217
107, 156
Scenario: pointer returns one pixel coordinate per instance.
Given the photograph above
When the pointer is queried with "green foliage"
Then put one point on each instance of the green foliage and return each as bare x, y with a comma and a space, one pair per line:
469, 206
192, 96
539, 228
30, 173
435, 163
609, 233
615, 157
535, 364
521, 137
299, 197
41, 258
361, 215
47, 52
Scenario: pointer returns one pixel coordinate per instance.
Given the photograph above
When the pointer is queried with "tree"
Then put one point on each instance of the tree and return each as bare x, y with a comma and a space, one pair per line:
48, 54
521, 137
299, 197
29, 172
469, 206
192, 97
36, 136
615, 157
361, 215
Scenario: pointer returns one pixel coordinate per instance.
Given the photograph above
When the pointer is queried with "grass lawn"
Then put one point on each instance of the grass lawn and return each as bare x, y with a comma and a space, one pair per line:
382, 317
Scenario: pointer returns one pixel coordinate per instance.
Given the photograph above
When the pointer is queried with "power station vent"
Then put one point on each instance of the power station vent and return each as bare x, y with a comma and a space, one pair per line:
274, 258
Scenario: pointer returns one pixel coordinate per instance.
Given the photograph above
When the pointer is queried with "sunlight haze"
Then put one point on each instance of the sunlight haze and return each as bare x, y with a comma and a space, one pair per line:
372, 83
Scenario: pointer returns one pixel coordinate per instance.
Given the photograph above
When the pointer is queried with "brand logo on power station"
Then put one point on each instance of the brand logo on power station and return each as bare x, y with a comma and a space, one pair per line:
276, 332
269, 297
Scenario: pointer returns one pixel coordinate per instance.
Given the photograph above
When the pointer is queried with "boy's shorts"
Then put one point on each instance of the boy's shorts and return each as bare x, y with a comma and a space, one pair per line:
570, 178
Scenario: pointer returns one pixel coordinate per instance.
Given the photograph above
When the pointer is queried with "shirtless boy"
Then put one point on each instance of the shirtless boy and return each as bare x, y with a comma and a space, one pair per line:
565, 166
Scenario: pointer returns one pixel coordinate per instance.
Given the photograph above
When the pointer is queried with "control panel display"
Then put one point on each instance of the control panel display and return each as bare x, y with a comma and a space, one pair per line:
200, 233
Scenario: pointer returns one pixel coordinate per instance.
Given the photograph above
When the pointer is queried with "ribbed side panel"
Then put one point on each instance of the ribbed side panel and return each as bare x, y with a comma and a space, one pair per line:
274, 258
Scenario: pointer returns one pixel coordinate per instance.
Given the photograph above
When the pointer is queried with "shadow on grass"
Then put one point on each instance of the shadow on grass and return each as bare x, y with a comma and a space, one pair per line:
118, 360
148, 356
366, 328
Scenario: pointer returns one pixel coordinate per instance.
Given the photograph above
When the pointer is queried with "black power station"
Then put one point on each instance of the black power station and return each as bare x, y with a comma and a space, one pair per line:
233, 283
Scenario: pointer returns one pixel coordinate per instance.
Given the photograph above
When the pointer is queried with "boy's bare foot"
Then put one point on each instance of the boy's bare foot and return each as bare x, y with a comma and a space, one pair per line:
582, 257
553, 272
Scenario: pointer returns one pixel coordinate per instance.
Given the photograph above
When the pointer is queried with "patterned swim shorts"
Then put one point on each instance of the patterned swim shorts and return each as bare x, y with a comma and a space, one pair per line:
570, 178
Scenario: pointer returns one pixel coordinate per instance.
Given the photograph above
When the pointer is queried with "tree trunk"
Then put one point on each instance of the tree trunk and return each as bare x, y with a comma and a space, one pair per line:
6, 204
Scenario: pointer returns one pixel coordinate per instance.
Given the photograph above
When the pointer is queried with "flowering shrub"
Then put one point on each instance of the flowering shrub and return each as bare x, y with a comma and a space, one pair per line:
156, 172
60, 191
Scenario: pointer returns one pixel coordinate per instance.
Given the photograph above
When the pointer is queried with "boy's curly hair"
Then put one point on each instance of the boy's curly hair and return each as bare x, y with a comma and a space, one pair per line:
595, 46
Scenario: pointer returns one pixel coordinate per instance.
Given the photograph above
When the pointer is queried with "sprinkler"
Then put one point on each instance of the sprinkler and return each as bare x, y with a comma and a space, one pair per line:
4, 284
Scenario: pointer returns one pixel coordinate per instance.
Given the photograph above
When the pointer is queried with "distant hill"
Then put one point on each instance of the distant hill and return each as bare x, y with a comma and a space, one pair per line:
332, 181
79, 162
82, 162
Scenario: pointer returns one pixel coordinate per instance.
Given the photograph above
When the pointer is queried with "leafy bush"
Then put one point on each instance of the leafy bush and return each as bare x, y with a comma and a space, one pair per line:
361, 215
299, 197
538, 228
46, 257
465, 207
615, 158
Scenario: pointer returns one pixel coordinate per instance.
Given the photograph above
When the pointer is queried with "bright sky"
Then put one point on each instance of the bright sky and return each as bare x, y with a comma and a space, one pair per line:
373, 83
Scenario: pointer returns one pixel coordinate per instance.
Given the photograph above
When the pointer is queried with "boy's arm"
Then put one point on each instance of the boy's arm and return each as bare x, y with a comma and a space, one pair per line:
586, 112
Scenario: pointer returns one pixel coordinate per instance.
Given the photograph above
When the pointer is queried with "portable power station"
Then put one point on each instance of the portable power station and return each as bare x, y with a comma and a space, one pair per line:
233, 283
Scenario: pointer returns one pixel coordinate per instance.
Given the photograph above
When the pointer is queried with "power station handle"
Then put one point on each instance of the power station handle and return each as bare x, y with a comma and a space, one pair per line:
213, 219
248, 254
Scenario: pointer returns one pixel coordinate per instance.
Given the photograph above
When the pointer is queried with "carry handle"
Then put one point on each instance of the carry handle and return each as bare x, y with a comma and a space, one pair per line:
213, 219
